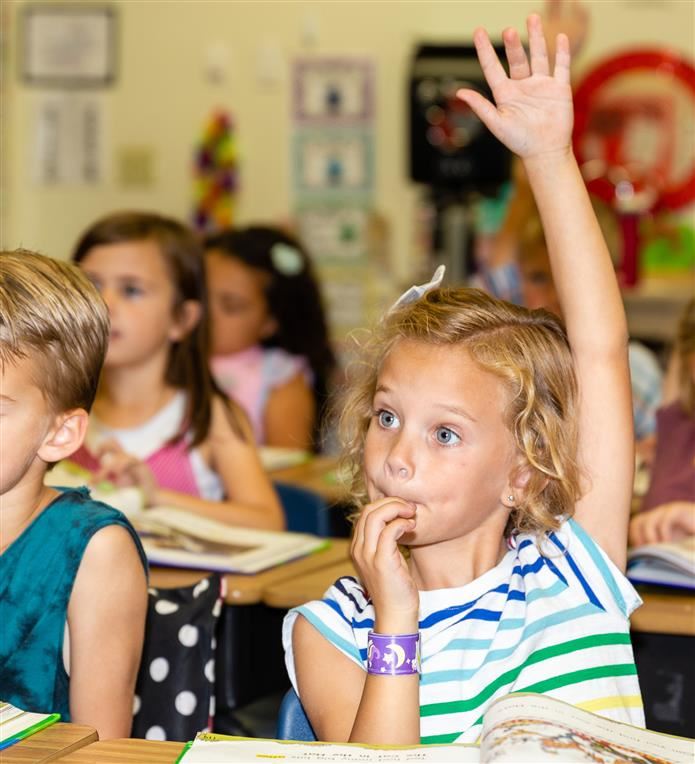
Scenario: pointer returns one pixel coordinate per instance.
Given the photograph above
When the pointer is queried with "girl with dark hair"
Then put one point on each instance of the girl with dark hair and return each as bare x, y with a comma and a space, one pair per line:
270, 346
160, 421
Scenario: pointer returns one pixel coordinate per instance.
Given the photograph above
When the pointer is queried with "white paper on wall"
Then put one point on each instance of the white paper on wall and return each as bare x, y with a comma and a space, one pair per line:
68, 145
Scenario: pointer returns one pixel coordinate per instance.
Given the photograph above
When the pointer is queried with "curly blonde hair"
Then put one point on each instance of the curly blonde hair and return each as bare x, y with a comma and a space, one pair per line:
527, 350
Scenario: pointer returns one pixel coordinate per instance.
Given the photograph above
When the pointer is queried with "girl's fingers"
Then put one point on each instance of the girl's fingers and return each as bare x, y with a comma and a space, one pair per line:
490, 64
516, 55
537, 46
387, 543
484, 110
376, 521
562, 59
371, 523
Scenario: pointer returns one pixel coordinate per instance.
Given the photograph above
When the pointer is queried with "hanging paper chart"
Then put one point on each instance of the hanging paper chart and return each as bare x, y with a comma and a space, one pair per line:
216, 176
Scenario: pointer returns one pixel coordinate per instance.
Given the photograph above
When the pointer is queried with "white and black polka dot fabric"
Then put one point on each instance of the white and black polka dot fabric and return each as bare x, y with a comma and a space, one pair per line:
174, 695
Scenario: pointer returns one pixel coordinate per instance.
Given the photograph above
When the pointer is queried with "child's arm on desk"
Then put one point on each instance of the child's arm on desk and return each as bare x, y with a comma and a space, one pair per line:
250, 499
533, 117
106, 622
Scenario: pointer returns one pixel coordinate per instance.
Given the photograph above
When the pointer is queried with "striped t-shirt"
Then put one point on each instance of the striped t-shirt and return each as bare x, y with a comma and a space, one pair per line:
555, 623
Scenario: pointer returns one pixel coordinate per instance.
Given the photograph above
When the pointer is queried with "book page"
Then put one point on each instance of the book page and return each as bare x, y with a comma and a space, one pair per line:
533, 728
679, 554
177, 538
666, 563
209, 748
14, 722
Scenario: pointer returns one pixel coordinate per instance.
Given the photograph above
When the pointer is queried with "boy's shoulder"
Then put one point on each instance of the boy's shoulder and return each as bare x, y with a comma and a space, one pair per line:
81, 516
79, 502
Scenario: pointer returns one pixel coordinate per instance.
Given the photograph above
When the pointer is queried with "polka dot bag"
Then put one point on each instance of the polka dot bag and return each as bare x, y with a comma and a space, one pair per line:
174, 694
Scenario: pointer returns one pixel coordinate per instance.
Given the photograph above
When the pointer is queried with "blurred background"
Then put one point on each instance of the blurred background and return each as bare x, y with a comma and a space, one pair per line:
338, 120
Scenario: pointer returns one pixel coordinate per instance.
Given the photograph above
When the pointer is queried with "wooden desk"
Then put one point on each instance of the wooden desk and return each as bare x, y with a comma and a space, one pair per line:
121, 751
665, 612
249, 589
49, 744
318, 474
311, 586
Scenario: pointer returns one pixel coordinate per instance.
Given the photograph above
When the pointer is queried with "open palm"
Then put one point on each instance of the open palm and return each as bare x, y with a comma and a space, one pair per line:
533, 114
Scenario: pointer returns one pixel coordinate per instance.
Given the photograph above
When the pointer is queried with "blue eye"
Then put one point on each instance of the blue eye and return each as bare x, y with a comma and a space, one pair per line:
387, 419
131, 290
446, 437
95, 281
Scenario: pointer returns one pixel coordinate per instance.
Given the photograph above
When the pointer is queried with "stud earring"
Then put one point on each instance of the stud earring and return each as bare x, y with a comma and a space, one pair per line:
510, 498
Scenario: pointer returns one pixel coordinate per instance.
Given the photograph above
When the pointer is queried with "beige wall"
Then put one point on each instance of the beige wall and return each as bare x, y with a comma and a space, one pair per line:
162, 97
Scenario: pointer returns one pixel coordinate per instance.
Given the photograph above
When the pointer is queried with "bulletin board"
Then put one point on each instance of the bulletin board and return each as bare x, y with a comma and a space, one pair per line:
333, 179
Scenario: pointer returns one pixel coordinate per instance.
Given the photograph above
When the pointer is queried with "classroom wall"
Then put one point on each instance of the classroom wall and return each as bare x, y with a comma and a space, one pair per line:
162, 97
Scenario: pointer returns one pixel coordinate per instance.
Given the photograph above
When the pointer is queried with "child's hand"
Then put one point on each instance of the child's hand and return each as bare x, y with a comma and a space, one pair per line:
381, 566
122, 469
533, 115
668, 522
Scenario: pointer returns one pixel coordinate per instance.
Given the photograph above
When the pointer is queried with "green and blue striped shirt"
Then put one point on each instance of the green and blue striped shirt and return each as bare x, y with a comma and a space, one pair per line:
553, 621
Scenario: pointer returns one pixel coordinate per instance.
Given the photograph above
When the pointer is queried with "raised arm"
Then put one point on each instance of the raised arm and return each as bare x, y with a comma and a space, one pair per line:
533, 118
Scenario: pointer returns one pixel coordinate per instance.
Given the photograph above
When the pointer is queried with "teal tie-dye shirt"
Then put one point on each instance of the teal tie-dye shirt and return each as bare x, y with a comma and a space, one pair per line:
37, 573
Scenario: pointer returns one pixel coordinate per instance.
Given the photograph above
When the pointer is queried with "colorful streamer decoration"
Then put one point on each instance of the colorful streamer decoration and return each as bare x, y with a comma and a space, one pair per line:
216, 177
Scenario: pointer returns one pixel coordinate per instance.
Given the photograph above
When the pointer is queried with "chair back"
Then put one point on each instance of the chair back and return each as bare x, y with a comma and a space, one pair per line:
293, 723
174, 691
305, 510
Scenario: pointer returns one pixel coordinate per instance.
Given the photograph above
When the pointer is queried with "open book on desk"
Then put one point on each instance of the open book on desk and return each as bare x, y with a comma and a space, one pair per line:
16, 724
663, 564
522, 727
179, 539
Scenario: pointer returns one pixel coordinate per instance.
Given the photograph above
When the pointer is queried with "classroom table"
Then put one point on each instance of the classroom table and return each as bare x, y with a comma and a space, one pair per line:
310, 586
665, 612
125, 750
49, 744
248, 589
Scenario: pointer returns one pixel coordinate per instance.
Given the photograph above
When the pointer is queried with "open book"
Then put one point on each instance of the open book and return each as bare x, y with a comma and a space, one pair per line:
16, 724
663, 564
522, 727
180, 539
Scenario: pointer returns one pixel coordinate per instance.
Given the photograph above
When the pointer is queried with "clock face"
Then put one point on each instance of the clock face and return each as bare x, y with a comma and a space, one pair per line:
452, 124
634, 117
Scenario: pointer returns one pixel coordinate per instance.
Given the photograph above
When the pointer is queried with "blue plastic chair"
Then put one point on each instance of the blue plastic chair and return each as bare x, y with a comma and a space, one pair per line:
293, 723
305, 510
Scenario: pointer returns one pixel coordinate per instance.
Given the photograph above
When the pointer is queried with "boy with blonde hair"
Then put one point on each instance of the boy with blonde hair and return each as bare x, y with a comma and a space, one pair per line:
72, 571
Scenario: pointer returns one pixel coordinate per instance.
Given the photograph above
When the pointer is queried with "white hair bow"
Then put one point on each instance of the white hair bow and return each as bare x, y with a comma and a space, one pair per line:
415, 292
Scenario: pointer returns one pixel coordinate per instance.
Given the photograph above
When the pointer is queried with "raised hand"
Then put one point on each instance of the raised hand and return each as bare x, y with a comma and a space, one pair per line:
381, 566
533, 113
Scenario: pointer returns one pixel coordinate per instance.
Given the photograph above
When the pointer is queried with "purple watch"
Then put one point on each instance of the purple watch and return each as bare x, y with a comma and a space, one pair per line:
393, 654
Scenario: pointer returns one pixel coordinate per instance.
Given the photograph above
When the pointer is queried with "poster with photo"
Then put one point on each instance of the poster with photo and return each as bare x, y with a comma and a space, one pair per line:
333, 90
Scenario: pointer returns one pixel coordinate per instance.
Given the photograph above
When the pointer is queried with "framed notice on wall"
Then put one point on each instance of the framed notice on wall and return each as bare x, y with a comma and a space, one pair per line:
68, 45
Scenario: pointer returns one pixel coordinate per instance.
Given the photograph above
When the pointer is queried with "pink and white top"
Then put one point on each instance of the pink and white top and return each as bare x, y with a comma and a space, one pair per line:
174, 466
251, 375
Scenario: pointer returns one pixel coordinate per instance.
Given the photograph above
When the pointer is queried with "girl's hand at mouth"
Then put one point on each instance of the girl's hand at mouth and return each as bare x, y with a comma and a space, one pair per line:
381, 566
